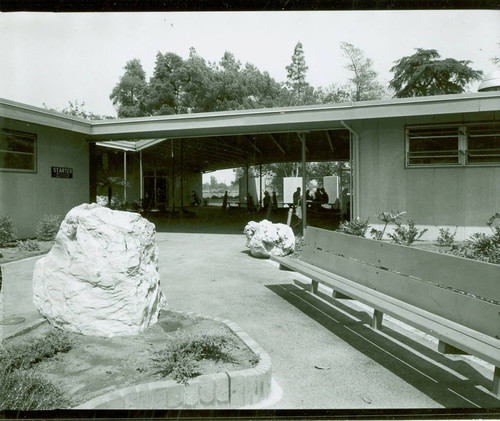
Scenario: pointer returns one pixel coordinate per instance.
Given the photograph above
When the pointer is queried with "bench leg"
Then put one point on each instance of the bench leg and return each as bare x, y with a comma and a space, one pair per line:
496, 382
337, 294
314, 289
377, 320
445, 348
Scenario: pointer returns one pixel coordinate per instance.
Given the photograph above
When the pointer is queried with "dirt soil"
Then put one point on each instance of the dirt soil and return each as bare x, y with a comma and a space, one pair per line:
96, 365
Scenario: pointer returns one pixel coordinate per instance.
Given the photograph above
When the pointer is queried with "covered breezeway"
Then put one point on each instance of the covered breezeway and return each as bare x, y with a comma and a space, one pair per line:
237, 144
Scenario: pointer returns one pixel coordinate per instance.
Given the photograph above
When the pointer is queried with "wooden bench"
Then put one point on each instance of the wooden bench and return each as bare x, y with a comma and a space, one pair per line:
437, 293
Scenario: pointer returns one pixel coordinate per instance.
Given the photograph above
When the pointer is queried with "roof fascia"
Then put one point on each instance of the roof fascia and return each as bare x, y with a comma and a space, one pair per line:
289, 119
35, 115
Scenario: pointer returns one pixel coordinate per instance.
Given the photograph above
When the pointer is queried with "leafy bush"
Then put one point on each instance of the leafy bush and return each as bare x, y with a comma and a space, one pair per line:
23, 389
445, 237
25, 354
480, 246
48, 227
27, 391
180, 358
356, 227
28, 245
386, 217
406, 236
7, 232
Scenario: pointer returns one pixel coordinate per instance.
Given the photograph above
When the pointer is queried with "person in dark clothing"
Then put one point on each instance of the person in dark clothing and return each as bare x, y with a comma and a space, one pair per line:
267, 204
275, 201
224, 201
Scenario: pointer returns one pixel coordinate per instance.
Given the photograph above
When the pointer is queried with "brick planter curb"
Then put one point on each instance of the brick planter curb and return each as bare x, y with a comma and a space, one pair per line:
231, 389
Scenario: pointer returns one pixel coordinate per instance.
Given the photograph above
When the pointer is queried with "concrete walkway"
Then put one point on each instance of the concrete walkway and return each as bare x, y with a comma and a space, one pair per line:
323, 357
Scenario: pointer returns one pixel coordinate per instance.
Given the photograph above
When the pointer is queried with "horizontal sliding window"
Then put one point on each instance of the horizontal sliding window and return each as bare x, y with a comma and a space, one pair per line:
483, 144
461, 144
17, 151
433, 146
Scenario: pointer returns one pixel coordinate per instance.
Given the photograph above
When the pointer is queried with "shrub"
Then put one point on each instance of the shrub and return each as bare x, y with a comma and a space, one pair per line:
406, 236
386, 217
180, 358
48, 227
25, 354
23, 389
445, 238
7, 232
480, 246
28, 245
356, 227
27, 391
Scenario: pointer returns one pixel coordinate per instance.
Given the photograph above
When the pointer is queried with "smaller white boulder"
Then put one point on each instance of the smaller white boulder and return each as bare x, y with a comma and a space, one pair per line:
266, 239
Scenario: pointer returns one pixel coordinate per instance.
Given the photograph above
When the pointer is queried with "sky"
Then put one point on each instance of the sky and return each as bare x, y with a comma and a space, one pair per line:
54, 58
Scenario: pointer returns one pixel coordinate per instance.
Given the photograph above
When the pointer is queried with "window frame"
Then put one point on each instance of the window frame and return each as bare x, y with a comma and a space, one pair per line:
25, 135
463, 151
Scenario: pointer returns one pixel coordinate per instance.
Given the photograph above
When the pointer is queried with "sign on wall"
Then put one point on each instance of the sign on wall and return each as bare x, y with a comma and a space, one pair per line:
62, 172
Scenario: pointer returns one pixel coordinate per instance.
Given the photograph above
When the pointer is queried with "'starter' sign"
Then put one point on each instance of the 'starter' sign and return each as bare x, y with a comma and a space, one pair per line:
62, 172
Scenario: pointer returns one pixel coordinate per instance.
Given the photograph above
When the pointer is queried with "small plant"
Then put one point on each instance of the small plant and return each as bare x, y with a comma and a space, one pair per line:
28, 245
25, 354
406, 236
23, 389
445, 237
27, 391
356, 227
48, 227
480, 246
180, 358
7, 232
386, 217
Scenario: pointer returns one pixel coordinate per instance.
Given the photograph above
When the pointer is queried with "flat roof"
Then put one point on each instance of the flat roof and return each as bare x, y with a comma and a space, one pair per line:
228, 139
268, 120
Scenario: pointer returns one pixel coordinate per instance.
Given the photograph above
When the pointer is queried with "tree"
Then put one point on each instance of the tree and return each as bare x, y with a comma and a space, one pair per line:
496, 60
165, 92
78, 110
296, 76
128, 93
425, 74
364, 82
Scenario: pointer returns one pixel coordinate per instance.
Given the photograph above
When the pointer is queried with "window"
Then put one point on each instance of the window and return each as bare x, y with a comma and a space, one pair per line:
465, 144
433, 145
483, 144
17, 151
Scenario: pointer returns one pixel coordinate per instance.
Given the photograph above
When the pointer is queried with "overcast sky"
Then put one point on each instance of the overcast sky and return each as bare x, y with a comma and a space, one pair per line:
55, 58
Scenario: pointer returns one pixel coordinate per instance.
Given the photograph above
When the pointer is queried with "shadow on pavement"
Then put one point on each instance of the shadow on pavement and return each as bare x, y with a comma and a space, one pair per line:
430, 378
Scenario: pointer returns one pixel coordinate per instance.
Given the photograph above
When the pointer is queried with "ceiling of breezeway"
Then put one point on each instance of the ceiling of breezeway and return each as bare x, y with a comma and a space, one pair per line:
219, 152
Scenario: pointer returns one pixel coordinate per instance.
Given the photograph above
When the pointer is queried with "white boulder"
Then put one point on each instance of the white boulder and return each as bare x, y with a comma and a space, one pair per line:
267, 239
101, 276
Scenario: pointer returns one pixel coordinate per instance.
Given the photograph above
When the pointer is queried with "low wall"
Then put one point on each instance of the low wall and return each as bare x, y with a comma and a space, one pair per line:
232, 389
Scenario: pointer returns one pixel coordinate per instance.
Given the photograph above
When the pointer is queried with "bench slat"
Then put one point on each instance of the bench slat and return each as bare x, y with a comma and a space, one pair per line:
466, 310
478, 278
466, 339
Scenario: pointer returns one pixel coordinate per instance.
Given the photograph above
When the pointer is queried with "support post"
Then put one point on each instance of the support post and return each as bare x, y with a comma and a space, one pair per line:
377, 320
173, 175
247, 192
124, 176
304, 175
496, 382
260, 184
141, 180
182, 176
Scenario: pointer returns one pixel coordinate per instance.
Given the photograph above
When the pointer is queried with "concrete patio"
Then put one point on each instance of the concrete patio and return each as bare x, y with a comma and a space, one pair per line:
322, 357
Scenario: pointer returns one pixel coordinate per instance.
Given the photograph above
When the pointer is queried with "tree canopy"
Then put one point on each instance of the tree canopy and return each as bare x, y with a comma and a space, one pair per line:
364, 84
425, 73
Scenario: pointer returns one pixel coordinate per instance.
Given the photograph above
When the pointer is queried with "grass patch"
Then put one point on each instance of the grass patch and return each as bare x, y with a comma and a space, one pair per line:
22, 388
